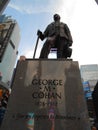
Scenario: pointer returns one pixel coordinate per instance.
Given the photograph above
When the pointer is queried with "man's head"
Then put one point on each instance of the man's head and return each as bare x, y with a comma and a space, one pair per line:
56, 17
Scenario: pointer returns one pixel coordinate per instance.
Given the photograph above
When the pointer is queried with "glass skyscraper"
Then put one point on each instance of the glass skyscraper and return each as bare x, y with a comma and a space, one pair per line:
89, 75
9, 41
89, 72
3, 4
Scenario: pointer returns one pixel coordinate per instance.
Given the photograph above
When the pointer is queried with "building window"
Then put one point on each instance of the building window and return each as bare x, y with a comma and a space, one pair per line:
16, 52
12, 44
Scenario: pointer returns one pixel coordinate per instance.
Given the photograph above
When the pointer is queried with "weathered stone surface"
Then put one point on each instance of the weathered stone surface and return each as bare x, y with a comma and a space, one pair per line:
52, 91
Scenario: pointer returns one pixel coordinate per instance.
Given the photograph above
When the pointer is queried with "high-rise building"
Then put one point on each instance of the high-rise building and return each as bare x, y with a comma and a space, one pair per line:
89, 72
89, 75
9, 41
3, 4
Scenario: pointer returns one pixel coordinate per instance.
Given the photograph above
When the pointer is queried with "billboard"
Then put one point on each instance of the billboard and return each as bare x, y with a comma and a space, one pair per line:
86, 86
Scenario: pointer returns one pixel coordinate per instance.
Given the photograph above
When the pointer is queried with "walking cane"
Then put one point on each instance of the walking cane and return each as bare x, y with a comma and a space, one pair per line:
36, 47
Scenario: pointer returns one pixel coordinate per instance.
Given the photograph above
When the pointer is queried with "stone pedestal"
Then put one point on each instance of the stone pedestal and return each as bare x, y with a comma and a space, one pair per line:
47, 95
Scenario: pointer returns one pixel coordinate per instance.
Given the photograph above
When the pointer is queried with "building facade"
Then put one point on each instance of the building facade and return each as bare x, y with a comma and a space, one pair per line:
9, 41
89, 75
89, 72
3, 4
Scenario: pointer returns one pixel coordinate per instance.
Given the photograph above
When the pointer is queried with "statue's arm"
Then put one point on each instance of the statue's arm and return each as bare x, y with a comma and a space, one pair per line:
68, 33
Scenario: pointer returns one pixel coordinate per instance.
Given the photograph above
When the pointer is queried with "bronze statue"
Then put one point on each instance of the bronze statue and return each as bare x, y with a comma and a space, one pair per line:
58, 36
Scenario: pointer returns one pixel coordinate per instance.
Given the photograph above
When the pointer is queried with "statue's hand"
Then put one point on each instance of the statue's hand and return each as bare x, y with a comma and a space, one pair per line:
39, 33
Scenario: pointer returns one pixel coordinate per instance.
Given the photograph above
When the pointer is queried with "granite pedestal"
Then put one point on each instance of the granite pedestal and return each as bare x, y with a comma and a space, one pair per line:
47, 95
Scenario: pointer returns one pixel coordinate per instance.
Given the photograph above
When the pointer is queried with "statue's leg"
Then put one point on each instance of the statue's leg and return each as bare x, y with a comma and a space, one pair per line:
65, 50
60, 48
45, 50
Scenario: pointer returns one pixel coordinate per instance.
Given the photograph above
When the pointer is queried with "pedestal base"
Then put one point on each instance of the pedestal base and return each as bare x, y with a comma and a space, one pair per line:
46, 95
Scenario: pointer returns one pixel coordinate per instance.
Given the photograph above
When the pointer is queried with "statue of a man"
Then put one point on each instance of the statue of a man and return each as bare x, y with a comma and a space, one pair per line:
58, 36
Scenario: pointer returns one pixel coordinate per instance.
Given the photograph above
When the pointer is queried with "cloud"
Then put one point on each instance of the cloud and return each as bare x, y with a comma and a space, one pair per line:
84, 27
37, 6
29, 53
14, 7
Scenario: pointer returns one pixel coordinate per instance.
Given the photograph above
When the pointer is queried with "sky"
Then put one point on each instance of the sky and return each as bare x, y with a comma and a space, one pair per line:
81, 16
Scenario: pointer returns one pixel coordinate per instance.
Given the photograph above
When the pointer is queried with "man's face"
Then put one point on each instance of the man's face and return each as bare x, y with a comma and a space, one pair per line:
56, 17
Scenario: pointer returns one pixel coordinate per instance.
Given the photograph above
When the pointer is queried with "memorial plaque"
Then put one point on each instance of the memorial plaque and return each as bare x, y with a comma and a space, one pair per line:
47, 95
